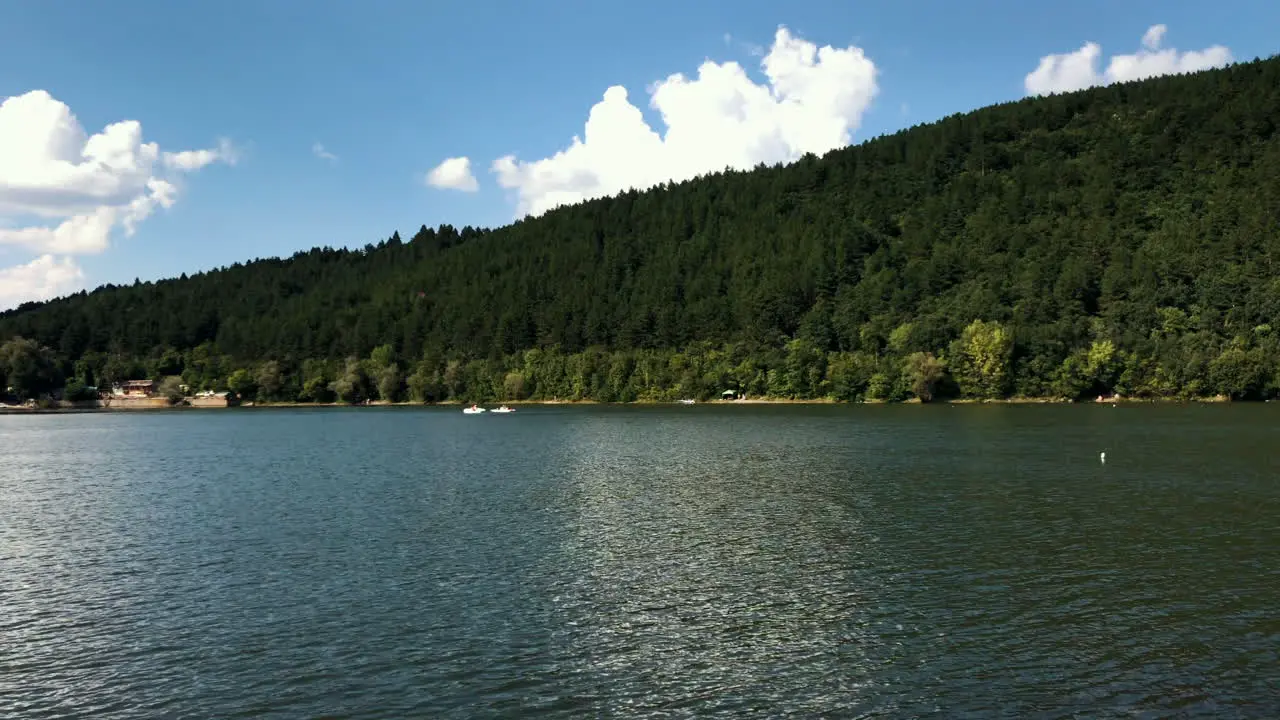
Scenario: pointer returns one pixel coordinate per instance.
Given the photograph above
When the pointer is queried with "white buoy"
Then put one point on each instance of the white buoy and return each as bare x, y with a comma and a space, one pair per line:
1103, 456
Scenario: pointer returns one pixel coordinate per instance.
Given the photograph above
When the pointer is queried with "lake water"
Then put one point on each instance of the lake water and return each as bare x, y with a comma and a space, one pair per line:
643, 562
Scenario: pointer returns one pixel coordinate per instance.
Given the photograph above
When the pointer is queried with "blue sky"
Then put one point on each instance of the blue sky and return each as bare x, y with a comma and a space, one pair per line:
394, 88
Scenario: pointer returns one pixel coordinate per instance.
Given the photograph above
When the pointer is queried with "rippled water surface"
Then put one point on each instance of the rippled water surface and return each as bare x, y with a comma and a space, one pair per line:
664, 562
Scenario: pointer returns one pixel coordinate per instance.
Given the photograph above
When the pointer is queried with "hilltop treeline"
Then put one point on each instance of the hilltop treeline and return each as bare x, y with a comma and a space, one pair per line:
1124, 238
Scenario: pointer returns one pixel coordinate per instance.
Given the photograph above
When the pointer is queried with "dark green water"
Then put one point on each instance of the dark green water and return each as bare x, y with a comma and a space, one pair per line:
659, 562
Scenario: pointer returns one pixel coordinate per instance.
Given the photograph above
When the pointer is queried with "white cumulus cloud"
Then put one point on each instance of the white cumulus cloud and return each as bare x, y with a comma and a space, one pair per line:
41, 279
63, 191
321, 152
72, 188
812, 100
453, 174
1078, 70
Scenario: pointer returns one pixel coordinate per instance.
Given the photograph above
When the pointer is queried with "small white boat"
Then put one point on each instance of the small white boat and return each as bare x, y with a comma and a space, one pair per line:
504, 409
687, 402
473, 410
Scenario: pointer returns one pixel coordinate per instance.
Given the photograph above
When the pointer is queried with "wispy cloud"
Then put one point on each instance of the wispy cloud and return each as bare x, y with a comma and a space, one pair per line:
319, 151
749, 48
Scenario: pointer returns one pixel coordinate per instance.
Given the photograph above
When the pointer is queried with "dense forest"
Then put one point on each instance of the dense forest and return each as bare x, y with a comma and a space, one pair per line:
1119, 239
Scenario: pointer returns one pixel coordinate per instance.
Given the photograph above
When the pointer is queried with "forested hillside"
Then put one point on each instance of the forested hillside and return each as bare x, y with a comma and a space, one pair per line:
1124, 238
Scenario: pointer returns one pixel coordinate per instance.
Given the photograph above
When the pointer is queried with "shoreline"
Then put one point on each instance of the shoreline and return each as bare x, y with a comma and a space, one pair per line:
1211, 400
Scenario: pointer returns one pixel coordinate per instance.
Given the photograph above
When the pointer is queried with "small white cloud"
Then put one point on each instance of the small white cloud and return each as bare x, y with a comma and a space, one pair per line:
190, 160
82, 185
41, 279
453, 174
812, 100
1078, 70
319, 151
1152, 37
160, 193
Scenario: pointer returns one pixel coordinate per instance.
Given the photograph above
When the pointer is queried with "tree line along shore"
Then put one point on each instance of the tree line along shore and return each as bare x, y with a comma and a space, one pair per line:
708, 374
1119, 241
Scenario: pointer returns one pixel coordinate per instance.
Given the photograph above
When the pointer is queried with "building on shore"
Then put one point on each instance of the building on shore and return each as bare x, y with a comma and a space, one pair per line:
135, 389
211, 399
143, 394
134, 395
